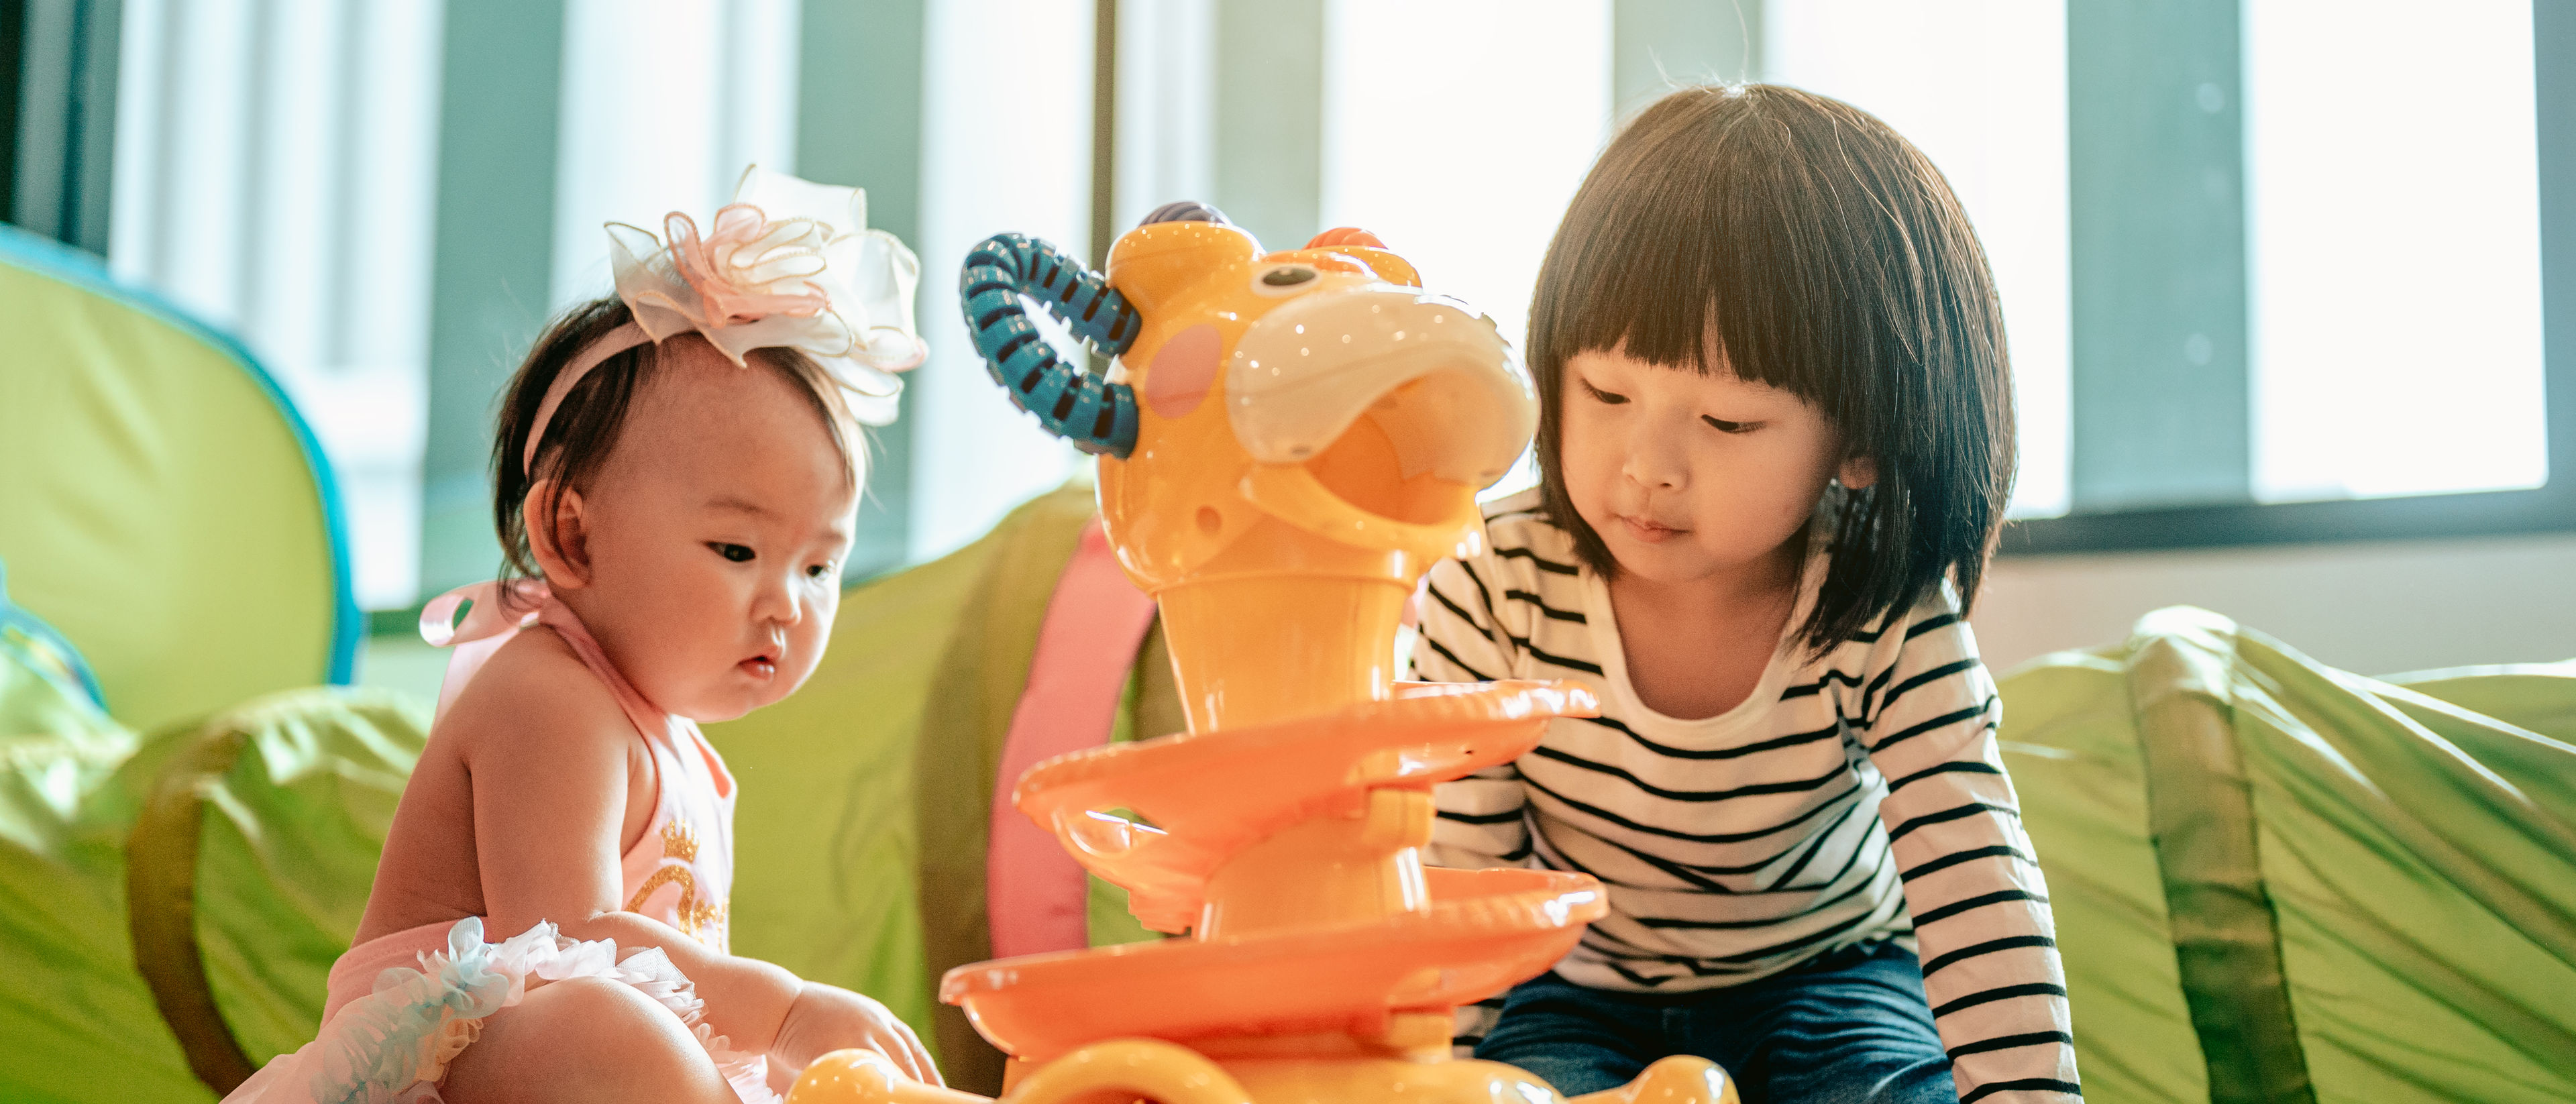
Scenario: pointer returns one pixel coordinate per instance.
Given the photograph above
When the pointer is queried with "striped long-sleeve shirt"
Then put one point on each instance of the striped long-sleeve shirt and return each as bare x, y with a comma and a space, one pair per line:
1853, 797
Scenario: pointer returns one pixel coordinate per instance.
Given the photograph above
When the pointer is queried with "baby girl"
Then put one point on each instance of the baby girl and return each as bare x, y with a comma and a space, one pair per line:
677, 468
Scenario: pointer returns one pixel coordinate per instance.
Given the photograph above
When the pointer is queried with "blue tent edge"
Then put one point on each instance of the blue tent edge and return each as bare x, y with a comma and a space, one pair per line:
48, 257
13, 616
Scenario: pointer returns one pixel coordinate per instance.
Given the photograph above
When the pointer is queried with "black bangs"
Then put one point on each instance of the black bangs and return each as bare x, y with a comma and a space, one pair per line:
1663, 267
1796, 241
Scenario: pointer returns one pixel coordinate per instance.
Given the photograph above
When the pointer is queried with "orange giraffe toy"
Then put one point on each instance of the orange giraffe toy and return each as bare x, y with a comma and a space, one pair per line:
1287, 442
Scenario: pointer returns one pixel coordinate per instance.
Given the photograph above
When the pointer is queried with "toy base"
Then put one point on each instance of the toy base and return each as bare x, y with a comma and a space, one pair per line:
1155, 1072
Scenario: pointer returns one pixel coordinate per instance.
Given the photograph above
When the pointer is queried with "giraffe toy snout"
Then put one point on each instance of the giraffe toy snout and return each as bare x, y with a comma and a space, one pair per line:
1305, 372
1419, 389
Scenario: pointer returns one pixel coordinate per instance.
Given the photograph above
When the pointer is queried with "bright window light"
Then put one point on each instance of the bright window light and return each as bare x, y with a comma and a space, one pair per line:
1003, 147
664, 103
1980, 87
1457, 132
275, 175
2393, 249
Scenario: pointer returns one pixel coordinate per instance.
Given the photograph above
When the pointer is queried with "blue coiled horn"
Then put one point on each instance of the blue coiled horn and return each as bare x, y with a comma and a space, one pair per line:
1096, 415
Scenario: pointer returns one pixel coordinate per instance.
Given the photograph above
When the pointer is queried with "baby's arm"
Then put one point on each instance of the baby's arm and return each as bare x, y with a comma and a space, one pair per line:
1980, 905
547, 753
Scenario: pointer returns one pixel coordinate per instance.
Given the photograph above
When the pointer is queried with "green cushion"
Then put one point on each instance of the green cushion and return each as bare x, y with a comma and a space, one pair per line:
288, 845
2275, 880
77, 1023
279, 809
164, 506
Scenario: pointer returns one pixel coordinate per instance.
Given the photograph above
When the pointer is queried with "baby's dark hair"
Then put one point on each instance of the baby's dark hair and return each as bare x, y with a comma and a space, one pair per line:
1798, 242
586, 426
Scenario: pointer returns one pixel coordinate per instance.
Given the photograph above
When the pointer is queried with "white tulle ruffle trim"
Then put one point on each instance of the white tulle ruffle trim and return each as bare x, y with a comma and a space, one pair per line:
393, 1045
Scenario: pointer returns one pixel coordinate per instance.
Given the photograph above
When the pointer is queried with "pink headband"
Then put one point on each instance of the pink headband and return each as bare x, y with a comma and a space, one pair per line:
609, 344
844, 298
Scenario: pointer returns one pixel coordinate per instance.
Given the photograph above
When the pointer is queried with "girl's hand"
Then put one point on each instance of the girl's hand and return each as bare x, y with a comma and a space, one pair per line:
825, 1019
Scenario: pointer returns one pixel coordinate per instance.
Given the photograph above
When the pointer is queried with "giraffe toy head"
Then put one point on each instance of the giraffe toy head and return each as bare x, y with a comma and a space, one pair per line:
1319, 389
1309, 431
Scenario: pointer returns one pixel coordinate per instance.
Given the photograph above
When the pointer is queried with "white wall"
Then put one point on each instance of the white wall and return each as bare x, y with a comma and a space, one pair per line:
2375, 608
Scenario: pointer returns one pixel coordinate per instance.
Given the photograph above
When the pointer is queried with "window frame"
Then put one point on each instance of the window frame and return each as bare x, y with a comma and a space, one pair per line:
2550, 508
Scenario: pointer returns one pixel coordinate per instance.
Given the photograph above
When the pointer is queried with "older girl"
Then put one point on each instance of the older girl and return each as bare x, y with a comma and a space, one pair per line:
1775, 445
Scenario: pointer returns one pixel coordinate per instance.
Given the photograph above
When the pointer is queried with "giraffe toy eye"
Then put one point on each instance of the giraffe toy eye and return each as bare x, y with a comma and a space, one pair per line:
1281, 281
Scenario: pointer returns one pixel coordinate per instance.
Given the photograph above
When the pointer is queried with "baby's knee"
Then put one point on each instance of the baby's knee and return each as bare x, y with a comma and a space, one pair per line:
589, 1038
613, 1024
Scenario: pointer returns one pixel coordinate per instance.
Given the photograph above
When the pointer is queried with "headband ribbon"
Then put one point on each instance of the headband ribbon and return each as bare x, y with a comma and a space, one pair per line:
788, 264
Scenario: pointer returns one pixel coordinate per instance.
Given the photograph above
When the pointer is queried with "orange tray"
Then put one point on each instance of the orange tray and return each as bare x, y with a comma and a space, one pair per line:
1485, 930
1207, 796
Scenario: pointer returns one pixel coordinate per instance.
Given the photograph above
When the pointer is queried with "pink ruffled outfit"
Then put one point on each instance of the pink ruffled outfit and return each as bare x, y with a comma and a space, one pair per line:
402, 1006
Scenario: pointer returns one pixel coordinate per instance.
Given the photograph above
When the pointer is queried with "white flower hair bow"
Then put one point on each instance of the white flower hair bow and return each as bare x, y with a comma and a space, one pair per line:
788, 264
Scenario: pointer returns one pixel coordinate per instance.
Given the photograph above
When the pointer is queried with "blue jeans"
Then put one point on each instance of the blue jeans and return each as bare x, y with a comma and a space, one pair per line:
1848, 1026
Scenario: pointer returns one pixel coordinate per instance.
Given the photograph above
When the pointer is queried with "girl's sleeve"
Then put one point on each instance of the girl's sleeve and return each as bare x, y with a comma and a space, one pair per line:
1480, 822
1972, 881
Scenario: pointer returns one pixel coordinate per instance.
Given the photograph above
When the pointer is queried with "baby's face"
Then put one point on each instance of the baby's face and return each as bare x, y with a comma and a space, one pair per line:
715, 536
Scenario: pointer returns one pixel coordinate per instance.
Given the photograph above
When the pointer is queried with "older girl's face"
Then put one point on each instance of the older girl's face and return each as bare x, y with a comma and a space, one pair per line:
1691, 477
709, 561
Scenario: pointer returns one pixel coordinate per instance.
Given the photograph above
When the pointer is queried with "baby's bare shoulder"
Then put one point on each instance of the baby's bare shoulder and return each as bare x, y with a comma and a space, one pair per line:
533, 705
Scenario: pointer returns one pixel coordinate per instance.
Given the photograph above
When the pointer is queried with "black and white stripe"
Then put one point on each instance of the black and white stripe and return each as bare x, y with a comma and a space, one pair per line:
1851, 798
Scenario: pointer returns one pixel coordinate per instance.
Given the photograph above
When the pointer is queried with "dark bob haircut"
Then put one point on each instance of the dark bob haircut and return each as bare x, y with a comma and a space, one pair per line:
586, 426
1798, 242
